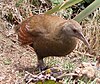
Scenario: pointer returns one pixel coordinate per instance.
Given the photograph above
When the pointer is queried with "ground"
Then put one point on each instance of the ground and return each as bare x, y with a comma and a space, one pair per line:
16, 59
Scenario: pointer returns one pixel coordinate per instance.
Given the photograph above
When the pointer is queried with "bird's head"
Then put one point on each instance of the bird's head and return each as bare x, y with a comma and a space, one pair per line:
73, 29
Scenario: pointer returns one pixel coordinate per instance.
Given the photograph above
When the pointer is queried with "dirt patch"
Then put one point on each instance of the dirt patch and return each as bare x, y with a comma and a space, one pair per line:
14, 59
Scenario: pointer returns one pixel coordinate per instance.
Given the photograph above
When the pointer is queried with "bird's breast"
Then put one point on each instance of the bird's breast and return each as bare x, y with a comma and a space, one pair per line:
47, 47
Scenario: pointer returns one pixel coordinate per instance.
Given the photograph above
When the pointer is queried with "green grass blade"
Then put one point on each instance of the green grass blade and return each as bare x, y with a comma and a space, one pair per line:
63, 6
87, 11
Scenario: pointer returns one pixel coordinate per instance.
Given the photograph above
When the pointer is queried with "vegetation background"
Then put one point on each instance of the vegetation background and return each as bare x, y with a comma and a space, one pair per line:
15, 59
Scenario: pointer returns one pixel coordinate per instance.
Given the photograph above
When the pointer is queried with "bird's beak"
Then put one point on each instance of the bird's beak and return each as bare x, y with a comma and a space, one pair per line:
82, 38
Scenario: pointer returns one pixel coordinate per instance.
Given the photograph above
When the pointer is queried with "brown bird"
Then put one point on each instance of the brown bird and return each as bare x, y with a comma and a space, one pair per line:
50, 36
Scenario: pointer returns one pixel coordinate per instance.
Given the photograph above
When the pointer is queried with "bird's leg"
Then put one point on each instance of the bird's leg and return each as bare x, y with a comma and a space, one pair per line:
41, 65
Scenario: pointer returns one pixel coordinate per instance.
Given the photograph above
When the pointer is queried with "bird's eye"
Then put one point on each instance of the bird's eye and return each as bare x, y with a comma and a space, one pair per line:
74, 30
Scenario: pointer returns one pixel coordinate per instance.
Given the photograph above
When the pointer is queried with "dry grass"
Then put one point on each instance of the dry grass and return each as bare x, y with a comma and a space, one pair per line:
91, 30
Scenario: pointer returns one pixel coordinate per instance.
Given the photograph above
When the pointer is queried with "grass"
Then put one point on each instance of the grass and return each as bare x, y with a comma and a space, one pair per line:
91, 30
7, 61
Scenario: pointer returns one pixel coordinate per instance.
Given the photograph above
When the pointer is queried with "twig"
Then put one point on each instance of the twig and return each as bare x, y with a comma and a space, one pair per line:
89, 55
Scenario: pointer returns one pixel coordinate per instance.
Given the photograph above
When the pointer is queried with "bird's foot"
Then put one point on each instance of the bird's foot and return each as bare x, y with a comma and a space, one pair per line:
41, 67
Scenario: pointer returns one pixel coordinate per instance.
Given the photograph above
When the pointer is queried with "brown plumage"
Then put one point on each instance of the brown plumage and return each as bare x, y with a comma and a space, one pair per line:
50, 35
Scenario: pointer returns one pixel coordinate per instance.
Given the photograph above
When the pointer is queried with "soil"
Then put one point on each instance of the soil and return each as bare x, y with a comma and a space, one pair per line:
14, 59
